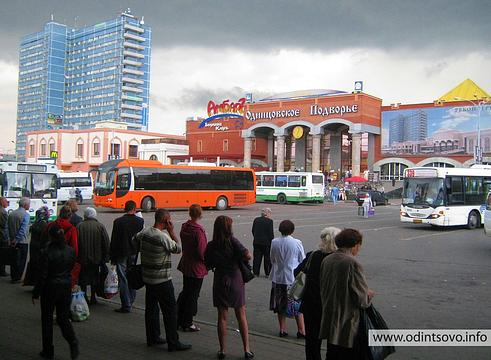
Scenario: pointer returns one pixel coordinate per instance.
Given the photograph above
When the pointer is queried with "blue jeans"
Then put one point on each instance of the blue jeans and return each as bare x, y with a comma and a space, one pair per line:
126, 294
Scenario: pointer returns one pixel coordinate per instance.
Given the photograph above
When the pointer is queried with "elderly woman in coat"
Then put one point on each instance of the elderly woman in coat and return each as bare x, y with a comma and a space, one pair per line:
344, 291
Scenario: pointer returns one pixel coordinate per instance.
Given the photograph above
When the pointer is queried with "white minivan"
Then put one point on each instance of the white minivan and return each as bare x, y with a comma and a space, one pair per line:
487, 216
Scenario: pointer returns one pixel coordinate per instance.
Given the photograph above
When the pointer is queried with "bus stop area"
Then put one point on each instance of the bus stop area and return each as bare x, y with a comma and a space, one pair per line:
109, 335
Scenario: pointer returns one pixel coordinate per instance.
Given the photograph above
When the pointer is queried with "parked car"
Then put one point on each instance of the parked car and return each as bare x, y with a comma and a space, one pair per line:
378, 198
487, 216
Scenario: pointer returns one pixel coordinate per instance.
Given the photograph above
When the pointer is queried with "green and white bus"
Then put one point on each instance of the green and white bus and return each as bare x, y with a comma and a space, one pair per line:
35, 181
284, 187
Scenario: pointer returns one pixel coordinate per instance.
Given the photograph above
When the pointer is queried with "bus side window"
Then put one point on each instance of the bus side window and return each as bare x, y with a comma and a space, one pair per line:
304, 181
258, 180
281, 180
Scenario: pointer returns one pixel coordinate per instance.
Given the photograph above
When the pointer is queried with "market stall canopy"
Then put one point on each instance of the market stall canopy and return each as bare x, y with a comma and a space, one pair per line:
357, 179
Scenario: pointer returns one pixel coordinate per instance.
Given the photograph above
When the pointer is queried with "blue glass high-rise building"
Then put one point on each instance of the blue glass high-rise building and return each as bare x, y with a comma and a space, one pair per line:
75, 78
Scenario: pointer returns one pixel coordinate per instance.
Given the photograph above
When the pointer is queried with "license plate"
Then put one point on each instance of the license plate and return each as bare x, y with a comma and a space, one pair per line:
417, 221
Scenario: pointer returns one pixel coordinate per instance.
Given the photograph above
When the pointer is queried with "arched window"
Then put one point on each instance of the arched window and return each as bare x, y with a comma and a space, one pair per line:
133, 149
42, 148
96, 147
153, 157
52, 146
439, 164
392, 171
31, 148
79, 149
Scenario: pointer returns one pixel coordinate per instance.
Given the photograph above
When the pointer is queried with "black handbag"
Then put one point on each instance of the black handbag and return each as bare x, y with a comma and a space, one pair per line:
370, 318
9, 255
135, 277
246, 271
101, 278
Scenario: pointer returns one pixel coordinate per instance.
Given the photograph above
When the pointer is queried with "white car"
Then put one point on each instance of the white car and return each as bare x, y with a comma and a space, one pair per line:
487, 216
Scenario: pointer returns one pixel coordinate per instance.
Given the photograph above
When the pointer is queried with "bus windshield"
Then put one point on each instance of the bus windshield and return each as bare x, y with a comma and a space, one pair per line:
105, 182
423, 193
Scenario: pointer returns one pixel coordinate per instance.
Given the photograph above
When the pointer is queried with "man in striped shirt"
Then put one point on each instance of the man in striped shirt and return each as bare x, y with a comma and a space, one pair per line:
157, 244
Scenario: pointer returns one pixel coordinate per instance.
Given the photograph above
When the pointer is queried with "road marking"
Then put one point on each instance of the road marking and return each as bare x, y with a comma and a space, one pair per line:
431, 235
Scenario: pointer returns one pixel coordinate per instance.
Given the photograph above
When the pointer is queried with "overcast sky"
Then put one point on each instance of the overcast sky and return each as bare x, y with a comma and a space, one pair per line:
404, 51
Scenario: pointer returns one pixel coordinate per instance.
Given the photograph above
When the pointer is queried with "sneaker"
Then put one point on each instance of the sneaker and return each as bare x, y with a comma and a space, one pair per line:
192, 328
248, 355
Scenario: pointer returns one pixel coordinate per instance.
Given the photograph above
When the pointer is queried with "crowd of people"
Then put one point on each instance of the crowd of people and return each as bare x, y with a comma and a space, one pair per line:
71, 250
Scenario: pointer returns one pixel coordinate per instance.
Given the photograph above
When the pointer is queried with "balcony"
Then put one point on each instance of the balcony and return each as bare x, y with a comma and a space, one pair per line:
134, 37
132, 98
133, 54
128, 44
131, 62
131, 89
134, 28
131, 107
132, 81
133, 72
130, 116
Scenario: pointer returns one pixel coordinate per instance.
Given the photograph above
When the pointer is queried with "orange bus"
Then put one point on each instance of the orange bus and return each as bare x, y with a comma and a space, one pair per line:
151, 185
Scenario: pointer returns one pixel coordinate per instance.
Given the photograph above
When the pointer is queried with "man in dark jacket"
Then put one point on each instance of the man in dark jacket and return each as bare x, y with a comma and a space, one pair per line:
4, 232
93, 250
123, 253
262, 230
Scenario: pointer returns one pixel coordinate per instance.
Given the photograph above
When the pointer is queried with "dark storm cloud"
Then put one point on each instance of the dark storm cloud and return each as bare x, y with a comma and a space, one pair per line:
197, 98
440, 25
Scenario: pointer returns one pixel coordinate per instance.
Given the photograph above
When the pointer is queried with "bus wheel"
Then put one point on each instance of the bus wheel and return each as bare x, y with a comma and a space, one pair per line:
473, 221
281, 199
222, 203
147, 204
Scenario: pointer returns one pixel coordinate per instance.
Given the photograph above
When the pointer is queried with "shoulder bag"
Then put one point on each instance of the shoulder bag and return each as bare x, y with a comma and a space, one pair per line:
244, 266
134, 273
297, 289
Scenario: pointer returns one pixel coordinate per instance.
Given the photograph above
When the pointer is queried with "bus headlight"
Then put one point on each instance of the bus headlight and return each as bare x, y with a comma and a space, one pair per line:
403, 213
435, 216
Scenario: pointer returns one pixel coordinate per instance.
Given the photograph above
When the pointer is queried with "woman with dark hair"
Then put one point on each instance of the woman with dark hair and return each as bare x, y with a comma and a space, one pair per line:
286, 254
311, 306
222, 255
38, 242
54, 287
344, 291
193, 268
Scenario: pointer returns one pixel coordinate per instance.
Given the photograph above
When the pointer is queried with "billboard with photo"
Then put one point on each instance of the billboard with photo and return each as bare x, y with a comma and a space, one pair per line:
434, 131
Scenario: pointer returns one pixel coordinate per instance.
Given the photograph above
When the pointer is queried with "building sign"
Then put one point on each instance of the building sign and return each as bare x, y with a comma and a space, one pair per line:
217, 126
54, 119
434, 131
53, 154
253, 116
333, 110
224, 110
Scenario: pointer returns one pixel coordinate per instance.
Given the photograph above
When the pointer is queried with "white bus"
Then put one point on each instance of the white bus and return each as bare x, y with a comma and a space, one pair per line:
290, 186
445, 196
35, 181
70, 181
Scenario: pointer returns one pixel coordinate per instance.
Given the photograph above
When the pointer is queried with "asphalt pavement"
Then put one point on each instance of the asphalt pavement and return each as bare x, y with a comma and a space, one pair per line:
424, 278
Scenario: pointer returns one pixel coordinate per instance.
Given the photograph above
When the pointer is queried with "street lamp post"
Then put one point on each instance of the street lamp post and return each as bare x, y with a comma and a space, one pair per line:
479, 105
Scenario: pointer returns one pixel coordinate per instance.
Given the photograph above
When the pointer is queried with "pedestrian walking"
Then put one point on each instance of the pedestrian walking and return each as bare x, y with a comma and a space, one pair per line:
157, 243
123, 252
71, 237
75, 219
54, 287
193, 268
222, 255
344, 291
18, 227
4, 231
286, 254
263, 233
38, 242
335, 194
311, 306
93, 250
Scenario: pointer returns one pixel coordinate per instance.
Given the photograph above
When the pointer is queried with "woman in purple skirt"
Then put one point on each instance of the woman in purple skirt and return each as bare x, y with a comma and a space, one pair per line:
222, 255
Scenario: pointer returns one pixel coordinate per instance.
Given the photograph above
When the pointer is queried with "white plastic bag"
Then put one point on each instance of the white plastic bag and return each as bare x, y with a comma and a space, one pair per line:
111, 285
79, 309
